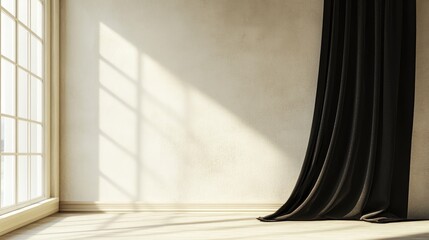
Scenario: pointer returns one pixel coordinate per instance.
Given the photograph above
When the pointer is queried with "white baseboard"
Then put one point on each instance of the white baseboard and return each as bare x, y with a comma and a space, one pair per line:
78, 206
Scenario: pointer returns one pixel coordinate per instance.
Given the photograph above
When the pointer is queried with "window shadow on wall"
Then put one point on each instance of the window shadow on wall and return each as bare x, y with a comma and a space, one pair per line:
192, 101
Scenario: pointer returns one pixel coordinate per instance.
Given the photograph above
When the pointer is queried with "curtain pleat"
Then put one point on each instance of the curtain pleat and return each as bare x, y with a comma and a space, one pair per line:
358, 155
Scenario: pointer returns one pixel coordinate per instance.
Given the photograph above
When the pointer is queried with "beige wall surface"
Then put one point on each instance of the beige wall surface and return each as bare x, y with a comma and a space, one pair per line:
198, 101
419, 174
186, 101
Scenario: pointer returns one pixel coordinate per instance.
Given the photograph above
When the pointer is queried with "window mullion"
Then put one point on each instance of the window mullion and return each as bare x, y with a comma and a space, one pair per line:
0, 119
21, 154
28, 157
22, 68
22, 24
28, 114
30, 81
20, 118
16, 104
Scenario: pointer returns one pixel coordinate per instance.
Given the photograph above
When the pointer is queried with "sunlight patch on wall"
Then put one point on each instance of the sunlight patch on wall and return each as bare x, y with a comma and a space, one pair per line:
119, 85
163, 89
121, 53
118, 117
160, 136
196, 137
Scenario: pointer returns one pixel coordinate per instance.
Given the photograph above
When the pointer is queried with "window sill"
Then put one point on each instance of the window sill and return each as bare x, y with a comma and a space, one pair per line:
23, 216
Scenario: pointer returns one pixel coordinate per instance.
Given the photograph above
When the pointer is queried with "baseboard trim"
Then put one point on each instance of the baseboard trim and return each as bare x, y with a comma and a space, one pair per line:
78, 206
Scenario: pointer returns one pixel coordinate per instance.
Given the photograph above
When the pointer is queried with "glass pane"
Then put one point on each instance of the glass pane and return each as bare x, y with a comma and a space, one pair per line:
7, 180
36, 56
23, 11
23, 47
23, 136
7, 87
7, 134
9, 5
36, 138
36, 176
37, 17
23, 179
23, 94
36, 99
7, 36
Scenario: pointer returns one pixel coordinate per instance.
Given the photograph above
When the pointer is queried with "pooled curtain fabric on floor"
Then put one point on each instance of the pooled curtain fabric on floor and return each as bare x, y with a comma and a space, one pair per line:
358, 155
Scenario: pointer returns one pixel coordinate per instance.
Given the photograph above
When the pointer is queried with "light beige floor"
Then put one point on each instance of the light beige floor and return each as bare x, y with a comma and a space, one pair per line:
207, 226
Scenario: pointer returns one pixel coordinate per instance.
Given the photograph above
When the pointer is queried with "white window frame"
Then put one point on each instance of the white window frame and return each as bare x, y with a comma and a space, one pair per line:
16, 117
21, 215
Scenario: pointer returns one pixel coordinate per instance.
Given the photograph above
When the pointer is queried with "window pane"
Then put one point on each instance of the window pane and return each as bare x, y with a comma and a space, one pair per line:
23, 11
7, 87
8, 36
7, 180
7, 134
23, 136
36, 56
36, 176
36, 137
23, 179
23, 94
23, 46
9, 5
36, 99
37, 17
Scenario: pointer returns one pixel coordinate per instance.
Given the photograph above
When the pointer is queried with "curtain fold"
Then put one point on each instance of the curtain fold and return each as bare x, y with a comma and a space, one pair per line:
358, 156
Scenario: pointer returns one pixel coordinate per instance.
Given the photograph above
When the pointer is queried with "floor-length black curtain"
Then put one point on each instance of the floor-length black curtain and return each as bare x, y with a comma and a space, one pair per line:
358, 155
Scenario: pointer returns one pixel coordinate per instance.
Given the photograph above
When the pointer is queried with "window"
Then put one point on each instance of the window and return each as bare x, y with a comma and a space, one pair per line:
23, 164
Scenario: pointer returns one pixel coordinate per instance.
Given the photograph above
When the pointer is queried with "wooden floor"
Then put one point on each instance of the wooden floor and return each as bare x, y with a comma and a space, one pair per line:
207, 226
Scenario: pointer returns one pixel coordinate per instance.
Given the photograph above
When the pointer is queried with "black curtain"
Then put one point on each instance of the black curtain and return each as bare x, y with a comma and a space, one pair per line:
358, 156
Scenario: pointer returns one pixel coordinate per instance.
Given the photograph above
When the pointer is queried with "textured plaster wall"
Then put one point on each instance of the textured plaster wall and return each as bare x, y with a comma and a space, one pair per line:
186, 101
200, 101
419, 175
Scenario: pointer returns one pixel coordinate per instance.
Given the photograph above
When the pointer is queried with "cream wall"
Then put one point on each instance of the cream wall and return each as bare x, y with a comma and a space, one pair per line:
419, 174
186, 101
192, 101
